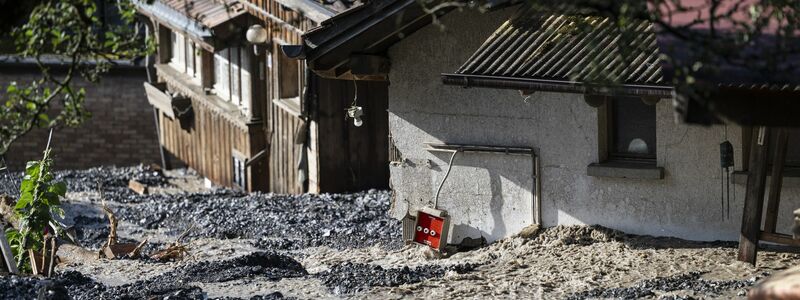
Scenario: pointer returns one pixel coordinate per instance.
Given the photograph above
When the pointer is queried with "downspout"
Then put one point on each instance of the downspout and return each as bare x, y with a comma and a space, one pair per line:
307, 115
149, 66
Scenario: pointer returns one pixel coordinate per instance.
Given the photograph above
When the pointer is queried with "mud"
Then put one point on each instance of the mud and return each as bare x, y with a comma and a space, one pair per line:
356, 277
268, 246
688, 282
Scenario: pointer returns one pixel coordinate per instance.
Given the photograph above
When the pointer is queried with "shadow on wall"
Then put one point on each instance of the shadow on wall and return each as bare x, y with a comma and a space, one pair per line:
486, 195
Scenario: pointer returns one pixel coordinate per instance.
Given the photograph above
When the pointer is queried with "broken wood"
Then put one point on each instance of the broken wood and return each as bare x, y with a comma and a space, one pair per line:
7, 261
137, 187
7, 210
112, 249
175, 250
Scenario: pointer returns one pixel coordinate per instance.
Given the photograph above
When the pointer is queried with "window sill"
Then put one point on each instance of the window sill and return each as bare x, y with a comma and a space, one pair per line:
182, 83
789, 180
290, 105
619, 169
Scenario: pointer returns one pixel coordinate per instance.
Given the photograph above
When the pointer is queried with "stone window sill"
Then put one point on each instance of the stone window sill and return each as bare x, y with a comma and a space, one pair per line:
789, 180
621, 169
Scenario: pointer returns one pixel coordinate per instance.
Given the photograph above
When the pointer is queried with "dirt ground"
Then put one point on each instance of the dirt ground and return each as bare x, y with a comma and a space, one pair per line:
267, 246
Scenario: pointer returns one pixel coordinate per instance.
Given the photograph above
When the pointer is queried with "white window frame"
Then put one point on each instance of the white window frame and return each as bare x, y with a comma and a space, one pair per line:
232, 80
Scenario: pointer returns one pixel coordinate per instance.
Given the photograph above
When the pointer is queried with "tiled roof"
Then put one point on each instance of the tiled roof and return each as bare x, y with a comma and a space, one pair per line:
210, 13
533, 45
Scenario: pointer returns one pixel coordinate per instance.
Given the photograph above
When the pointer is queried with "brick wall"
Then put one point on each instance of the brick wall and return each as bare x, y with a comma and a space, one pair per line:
120, 132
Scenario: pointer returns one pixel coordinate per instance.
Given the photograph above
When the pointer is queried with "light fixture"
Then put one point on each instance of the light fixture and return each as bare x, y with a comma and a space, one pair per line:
356, 112
256, 35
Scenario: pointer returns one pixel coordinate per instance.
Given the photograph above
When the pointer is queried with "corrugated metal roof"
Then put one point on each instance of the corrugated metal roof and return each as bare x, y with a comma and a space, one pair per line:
532, 45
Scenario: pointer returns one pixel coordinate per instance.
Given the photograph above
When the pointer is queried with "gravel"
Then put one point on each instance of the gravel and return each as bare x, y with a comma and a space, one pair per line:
351, 277
691, 281
340, 221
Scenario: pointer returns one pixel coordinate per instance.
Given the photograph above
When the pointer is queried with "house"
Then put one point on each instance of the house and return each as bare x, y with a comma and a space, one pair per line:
532, 143
244, 115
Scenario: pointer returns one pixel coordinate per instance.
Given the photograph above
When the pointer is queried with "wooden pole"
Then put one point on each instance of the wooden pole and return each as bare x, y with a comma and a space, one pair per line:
754, 195
775, 184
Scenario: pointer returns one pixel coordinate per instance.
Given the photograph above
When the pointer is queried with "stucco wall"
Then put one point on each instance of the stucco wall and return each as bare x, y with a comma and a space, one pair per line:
490, 195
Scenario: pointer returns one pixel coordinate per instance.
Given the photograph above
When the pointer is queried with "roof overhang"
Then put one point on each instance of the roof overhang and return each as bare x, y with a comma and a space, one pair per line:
211, 24
558, 86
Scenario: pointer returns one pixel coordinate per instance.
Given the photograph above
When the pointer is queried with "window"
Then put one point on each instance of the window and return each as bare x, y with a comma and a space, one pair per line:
631, 129
232, 76
288, 82
184, 55
178, 52
239, 170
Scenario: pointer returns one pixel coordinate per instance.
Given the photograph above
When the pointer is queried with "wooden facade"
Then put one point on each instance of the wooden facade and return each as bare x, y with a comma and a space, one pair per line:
295, 145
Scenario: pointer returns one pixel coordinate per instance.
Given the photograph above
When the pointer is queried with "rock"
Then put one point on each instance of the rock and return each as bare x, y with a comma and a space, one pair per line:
529, 231
784, 285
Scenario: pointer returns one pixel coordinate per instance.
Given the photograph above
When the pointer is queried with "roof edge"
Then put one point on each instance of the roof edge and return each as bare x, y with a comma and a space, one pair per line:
561, 86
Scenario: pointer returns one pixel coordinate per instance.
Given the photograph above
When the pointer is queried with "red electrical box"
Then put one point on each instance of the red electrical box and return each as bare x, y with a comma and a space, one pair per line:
431, 228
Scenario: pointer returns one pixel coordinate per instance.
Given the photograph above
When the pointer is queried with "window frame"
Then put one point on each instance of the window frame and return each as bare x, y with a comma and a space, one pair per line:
611, 153
235, 69
291, 104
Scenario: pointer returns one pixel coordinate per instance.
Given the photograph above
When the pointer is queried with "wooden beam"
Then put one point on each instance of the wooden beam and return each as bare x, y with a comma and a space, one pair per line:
778, 161
754, 195
783, 239
361, 65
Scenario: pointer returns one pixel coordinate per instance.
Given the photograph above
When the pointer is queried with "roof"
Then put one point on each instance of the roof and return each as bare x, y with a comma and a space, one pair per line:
571, 53
370, 28
551, 50
201, 20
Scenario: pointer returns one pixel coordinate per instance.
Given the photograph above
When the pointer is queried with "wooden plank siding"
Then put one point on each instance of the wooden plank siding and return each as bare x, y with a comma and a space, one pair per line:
283, 127
206, 146
340, 156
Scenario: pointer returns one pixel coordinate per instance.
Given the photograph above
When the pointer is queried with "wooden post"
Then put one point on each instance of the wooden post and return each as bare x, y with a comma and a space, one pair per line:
778, 161
754, 195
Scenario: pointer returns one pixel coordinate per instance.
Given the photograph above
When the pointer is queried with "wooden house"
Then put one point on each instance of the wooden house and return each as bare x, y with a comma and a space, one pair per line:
492, 120
245, 115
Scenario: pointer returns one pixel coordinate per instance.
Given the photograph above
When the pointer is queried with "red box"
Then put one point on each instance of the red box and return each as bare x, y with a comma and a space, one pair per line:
431, 228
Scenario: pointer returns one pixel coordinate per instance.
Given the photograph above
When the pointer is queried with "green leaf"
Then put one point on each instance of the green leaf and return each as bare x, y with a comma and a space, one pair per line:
59, 188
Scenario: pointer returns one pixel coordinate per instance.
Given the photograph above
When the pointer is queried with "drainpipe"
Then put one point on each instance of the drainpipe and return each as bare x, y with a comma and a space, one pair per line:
149, 66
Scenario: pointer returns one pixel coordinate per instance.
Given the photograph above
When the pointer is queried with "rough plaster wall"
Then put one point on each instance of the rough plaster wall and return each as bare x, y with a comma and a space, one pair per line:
490, 195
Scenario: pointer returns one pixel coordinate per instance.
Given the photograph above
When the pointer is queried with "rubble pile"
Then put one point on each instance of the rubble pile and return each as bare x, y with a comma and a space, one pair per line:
339, 220
350, 277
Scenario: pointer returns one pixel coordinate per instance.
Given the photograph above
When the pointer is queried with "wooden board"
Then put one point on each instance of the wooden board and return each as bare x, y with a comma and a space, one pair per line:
7, 261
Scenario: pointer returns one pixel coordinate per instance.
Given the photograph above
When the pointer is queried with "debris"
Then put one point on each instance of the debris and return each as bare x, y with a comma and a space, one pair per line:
112, 249
7, 261
468, 244
7, 210
171, 253
137, 187
175, 250
781, 285
350, 277
43, 263
530, 231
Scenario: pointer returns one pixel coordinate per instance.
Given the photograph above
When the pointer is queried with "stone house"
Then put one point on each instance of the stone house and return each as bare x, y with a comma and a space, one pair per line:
492, 84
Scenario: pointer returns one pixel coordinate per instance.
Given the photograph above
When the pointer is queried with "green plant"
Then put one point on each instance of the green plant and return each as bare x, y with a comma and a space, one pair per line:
38, 202
84, 44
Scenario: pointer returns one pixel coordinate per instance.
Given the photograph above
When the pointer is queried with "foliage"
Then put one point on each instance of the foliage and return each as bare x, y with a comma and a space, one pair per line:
38, 202
71, 34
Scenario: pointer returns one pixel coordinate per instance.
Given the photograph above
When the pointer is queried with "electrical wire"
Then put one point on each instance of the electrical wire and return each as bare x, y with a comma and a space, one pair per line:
441, 184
